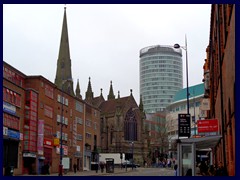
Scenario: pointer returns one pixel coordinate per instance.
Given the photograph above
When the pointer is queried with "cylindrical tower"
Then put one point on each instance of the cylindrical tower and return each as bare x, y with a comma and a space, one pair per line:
161, 76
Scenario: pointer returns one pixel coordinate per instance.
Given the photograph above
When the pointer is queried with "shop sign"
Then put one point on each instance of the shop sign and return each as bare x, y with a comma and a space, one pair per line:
5, 131
47, 142
13, 134
9, 108
56, 141
209, 125
33, 155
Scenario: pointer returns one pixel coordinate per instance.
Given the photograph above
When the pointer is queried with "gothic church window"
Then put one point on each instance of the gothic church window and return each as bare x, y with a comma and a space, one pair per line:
130, 126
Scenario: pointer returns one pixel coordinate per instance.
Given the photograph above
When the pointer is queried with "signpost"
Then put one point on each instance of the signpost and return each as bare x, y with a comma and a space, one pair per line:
184, 125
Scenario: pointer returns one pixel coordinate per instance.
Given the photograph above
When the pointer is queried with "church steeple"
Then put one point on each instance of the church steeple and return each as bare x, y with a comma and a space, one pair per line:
89, 93
63, 78
78, 95
111, 94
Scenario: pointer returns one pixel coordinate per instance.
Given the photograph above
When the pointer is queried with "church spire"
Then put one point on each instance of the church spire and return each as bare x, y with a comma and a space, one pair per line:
111, 94
78, 95
63, 78
89, 93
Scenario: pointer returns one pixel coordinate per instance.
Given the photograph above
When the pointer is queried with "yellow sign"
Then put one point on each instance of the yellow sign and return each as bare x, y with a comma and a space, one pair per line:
56, 141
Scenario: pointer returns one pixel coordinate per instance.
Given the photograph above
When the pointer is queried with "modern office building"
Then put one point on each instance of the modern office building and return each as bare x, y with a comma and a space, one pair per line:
161, 76
179, 106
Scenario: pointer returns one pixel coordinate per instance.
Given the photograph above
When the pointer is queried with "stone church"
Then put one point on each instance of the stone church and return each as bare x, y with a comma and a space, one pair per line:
122, 124
121, 121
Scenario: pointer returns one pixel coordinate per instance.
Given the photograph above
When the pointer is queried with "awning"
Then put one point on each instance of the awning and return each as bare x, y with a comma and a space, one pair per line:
203, 142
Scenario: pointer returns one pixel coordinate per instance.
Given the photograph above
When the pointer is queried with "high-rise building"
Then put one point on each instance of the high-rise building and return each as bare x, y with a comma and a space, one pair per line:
161, 76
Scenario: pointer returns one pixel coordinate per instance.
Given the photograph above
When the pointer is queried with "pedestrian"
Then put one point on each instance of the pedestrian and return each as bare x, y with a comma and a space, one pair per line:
175, 169
189, 172
75, 167
47, 168
97, 167
102, 166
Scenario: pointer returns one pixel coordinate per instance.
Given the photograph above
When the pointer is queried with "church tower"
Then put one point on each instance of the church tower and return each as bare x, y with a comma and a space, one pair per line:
63, 78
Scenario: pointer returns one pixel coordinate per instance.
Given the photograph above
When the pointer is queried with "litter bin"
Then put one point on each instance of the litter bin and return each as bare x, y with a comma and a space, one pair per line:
109, 165
9, 171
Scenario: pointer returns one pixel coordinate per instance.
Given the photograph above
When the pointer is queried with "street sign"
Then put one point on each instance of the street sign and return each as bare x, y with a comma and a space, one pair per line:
207, 125
184, 125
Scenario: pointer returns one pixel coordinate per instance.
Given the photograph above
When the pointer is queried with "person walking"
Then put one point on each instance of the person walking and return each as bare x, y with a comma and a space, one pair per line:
75, 168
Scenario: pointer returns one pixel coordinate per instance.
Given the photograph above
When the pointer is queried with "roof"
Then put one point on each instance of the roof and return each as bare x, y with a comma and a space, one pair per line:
124, 103
194, 91
203, 142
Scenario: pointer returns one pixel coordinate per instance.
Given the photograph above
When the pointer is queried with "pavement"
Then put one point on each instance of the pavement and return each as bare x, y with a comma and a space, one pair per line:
91, 173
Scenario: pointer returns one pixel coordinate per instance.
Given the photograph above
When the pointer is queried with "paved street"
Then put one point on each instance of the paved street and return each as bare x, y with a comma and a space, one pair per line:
122, 172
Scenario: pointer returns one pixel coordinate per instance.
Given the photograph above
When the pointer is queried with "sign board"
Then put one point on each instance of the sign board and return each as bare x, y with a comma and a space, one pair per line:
13, 134
9, 108
56, 141
184, 126
209, 125
202, 113
205, 104
65, 162
5, 131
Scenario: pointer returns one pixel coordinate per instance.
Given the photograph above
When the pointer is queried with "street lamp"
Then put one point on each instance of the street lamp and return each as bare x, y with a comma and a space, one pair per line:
132, 153
60, 168
177, 46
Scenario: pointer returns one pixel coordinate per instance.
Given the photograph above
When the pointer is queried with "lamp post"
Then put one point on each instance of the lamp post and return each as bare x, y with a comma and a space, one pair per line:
177, 46
132, 153
60, 168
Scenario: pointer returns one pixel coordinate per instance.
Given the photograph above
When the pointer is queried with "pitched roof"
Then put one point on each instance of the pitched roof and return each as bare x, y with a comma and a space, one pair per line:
111, 105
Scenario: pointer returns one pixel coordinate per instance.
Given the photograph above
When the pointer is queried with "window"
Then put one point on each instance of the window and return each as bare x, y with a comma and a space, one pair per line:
79, 106
11, 97
10, 121
130, 126
48, 131
48, 111
79, 137
79, 120
88, 123
48, 91
88, 135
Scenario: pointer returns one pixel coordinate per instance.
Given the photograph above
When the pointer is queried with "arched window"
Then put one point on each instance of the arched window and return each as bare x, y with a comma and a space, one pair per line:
130, 126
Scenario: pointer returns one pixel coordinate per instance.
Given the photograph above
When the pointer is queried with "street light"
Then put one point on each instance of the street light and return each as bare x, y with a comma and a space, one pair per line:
177, 46
132, 153
60, 168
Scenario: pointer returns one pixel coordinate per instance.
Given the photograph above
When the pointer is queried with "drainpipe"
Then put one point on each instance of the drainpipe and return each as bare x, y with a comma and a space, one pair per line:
221, 89
84, 119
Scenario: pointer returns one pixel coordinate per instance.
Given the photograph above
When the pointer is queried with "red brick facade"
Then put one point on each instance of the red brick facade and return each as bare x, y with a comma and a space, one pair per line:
81, 125
221, 64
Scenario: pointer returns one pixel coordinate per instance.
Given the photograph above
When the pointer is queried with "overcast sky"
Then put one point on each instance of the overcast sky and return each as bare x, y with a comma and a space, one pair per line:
105, 40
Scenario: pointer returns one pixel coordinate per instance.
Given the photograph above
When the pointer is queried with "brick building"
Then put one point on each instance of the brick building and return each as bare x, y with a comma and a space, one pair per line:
219, 78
